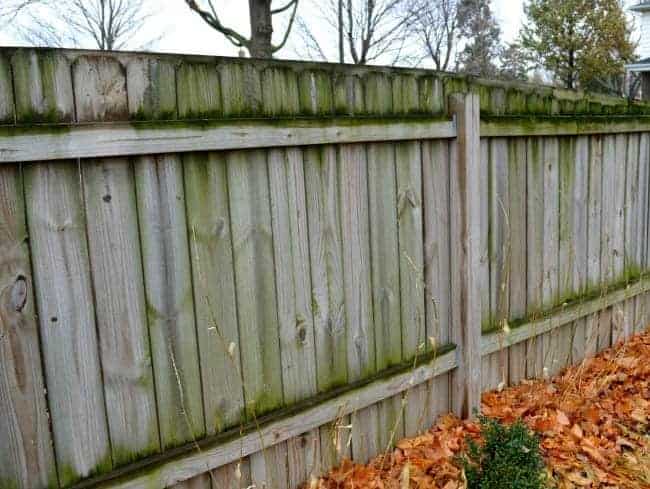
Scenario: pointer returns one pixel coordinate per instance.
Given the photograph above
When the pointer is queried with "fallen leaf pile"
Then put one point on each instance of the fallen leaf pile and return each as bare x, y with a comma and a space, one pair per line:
593, 421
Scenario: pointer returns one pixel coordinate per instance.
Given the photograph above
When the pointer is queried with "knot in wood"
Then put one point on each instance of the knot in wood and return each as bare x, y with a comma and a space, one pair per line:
18, 295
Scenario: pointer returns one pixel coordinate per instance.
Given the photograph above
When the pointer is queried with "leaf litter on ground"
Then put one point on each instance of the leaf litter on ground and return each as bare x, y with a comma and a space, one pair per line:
592, 419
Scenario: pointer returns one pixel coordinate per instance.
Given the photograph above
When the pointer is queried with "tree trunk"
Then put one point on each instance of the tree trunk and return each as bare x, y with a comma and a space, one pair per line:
261, 29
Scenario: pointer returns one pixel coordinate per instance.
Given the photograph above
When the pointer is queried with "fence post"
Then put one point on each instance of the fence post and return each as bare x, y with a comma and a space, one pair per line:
465, 254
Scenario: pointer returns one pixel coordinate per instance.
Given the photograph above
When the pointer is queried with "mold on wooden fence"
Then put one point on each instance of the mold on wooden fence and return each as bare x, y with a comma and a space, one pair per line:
165, 308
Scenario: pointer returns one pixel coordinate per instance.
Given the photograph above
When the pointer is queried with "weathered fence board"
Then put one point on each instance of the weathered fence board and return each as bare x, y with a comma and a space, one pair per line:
250, 269
26, 454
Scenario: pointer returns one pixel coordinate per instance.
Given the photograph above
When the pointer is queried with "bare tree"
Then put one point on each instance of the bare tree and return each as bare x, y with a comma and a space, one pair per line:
101, 24
435, 26
9, 9
366, 29
260, 43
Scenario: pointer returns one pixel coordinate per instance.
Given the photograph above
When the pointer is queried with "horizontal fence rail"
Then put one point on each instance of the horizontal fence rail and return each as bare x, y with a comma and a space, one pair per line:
116, 139
224, 273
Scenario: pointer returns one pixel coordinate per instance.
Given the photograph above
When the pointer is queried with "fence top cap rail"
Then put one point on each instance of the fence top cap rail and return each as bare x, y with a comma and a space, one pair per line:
564, 100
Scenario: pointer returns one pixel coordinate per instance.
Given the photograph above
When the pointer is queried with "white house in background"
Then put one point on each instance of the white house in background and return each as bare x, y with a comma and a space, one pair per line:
643, 10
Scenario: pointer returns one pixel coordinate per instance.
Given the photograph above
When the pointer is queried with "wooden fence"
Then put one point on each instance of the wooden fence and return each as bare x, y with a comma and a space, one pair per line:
222, 272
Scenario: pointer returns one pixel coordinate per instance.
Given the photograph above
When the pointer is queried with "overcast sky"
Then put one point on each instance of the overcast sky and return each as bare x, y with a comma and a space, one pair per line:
185, 32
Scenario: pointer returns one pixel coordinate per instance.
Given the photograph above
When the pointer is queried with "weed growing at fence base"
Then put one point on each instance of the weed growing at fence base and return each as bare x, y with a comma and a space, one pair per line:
506, 453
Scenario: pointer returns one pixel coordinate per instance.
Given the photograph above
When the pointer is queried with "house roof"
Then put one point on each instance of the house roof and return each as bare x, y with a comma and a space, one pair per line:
643, 6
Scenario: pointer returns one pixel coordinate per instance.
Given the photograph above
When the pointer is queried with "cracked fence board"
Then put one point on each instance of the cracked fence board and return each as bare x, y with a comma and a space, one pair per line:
26, 452
116, 265
56, 225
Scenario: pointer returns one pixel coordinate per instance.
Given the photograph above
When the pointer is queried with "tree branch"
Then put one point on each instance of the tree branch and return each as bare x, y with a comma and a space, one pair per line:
213, 20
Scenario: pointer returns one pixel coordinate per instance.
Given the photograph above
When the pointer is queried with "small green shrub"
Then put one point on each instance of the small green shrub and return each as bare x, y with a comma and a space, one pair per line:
509, 457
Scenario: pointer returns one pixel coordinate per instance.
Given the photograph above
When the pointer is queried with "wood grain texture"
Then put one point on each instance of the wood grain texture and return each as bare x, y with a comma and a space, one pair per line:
437, 273
26, 453
594, 234
534, 249
410, 215
564, 315
137, 138
495, 367
56, 225
517, 257
551, 255
568, 167
250, 208
114, 250
212, 456
116, 266
384, 257
168, 289
326, 264
355, 233
385, 273
465, 258
293, 289
209, 227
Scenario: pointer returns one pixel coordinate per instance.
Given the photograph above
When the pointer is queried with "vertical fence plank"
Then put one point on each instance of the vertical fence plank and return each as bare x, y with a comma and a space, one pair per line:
580, 219
26, 456
594, 217
535, 250
518, 246
325, 246
254, 278
435, 176
385, 272
168, 284
293, 285
323, 186
59, 247
411, 254
26, 452
483, 272
631, 228
495, 366
642, 312
384, 256
208, 220
114, 247
609, 229
353, 183
567, 243
465, 229
551, 240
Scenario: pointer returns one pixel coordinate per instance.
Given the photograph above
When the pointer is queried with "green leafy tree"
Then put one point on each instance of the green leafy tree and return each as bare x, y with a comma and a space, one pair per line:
482, 33
583, 43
